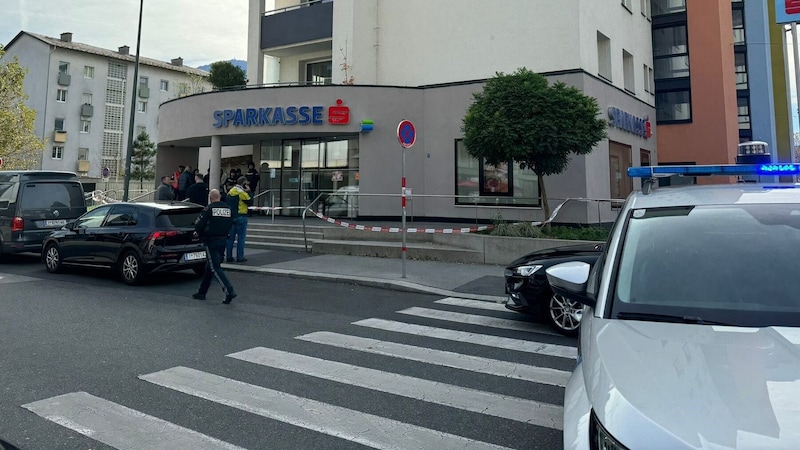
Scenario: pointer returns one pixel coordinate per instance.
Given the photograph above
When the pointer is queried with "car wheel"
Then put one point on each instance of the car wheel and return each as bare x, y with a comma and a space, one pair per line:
199, 270
130, 268
564, 314
52, 258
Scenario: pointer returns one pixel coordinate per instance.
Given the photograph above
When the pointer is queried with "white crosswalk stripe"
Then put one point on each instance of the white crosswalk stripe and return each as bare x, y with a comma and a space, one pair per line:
544, 375
119, 426
366, 429
521, 410
474, 319
124, 428
561, 351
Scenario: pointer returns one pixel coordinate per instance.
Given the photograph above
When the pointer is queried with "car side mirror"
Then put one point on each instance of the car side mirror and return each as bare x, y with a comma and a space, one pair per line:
570, 279
70, 225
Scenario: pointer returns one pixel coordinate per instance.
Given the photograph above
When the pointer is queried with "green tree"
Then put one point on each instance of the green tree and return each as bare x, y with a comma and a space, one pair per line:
19, 146
522, 118
226, 75
142, 165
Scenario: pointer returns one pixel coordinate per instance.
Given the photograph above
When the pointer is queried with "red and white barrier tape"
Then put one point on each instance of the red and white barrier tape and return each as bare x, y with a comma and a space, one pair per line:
342, 223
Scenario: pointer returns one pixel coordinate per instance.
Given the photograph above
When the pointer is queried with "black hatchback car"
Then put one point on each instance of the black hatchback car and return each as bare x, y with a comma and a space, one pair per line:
133, 238
528, 290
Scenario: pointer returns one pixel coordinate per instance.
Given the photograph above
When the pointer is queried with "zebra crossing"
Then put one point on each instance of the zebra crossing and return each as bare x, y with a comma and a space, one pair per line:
121, 427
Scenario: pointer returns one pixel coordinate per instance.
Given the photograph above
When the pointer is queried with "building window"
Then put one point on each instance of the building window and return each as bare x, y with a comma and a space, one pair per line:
86, 126
504, 184
58, 152
627, 5
140, 129
743, 104
88, 72
627, 72
604, 56
670, 52
738, 26
164, 85
63, 67
644, 157
319, 72
740, 59
673, 106
143, 81
664, 7
645, 8
61, 95
59, 124
141, 106
87, 98
83, 154
646, 78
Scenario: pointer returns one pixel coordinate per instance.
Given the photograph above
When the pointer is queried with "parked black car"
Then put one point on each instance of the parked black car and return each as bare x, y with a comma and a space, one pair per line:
133, 238
33, 203
529, 292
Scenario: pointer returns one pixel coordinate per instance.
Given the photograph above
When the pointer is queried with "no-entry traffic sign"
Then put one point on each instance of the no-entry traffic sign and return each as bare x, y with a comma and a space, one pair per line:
406, 133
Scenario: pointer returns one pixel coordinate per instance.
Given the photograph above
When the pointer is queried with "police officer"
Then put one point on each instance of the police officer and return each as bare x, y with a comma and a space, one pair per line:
213, 228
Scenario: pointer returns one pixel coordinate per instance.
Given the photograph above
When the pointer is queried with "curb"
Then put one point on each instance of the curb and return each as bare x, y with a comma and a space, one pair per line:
382, 283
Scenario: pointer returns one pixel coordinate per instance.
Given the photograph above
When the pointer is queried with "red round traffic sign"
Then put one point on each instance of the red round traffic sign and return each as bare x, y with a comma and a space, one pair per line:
1, 162
406, 133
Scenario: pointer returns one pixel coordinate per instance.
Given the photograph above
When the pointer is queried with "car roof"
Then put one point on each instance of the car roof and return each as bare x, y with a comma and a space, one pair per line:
720, 194
166, 205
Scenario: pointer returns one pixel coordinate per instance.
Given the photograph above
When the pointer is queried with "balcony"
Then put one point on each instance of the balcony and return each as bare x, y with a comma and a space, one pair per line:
84, 166
144, 92
59, 136
87, 110
64, 79
298, 29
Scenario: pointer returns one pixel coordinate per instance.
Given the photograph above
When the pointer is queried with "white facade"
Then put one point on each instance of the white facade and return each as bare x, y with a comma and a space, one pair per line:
95, 137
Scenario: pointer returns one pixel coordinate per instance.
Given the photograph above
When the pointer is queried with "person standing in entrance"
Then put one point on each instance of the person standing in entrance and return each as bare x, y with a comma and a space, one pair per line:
238, 199
213, 227
164, 191
198, 192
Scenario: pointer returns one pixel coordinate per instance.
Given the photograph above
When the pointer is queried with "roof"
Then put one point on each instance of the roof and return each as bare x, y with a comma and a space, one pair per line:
720, 194
113, 54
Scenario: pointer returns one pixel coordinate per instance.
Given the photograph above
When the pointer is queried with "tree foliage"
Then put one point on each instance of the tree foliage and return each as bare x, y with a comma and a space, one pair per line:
19, 146
142, 164
224, 74
522, 118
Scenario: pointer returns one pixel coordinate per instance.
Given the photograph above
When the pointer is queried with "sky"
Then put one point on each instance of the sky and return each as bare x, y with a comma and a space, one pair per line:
199, 31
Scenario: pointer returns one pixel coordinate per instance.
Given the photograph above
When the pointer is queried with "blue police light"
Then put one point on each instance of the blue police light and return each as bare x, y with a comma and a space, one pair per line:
722, 169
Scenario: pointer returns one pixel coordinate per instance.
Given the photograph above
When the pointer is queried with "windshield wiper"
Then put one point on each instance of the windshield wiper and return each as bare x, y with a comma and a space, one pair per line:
667, 318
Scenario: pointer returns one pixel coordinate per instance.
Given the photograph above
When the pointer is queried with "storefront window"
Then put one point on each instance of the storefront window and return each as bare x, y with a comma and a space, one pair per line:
310, 156
504, 184
336, 153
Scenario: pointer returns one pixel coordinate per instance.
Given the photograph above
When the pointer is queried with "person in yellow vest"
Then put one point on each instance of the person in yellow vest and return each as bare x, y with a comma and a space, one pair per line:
238, 199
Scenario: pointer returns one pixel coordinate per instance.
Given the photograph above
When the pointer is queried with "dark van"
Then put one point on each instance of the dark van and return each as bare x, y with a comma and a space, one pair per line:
33, 203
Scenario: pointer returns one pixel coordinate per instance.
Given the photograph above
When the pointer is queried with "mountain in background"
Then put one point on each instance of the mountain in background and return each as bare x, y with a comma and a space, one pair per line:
236, 62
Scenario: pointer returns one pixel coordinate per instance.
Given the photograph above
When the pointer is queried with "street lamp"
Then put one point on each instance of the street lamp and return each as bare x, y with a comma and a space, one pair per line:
133, 107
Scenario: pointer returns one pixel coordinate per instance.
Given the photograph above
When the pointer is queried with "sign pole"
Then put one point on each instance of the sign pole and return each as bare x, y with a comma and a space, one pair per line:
407, 135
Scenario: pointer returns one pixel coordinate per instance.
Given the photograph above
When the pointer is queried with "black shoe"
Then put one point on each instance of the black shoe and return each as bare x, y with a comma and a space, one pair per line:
229, 260
198, 296
241, 260
229, 298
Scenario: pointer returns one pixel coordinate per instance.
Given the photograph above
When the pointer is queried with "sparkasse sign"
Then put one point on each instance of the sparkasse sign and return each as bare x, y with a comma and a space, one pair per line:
338, 114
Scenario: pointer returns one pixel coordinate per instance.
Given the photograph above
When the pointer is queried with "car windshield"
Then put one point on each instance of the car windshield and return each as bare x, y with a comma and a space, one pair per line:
732, 264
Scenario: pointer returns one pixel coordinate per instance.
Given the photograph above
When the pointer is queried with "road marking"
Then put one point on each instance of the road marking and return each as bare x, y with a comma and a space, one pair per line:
561, 351
473, 319
119, 426
544, 375
513, 408
355, 426
475, 304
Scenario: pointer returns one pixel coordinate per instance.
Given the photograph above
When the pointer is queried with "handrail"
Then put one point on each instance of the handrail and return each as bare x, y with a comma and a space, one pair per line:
143, 195
308, 208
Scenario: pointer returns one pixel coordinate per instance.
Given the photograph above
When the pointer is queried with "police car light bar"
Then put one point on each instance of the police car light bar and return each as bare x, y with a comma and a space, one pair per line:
722, 169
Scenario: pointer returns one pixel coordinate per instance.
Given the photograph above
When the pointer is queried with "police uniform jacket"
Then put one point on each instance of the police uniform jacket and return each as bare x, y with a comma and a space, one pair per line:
215, 223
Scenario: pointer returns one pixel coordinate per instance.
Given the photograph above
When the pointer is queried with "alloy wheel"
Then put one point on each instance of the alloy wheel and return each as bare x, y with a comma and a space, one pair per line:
565, 314
130, 268
52, 258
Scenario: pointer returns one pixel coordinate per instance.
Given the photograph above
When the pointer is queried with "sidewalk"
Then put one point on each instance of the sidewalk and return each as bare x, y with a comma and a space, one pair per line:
473, 281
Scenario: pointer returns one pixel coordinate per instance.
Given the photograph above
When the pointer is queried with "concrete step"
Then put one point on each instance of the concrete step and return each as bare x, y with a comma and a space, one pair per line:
267, 239
284, 234
382, 249
277, 246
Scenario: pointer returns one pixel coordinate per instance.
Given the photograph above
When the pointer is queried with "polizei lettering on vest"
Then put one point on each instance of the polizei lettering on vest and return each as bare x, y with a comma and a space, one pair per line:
278, 115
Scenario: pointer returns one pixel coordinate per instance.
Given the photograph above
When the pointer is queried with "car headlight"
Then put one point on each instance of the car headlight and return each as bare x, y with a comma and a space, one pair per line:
600, 438
526, 271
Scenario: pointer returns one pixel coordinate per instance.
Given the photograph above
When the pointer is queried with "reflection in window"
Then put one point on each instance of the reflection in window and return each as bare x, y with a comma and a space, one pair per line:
310, 153
662, 7
336, 153
673, 106
743, 106
480, 183
319, 73
740, 59
738, 26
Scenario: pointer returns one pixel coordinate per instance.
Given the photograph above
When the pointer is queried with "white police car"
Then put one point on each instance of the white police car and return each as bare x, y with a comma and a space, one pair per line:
691, 334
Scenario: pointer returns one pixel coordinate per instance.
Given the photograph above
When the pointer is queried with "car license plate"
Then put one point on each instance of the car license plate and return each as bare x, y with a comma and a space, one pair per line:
194, 256
55, 223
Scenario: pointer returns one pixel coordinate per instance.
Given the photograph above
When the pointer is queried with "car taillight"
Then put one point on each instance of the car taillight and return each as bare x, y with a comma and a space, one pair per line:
17, 224
156, 235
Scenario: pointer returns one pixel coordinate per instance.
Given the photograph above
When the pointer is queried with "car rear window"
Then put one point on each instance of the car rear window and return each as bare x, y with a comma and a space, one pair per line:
181, 218
52, 195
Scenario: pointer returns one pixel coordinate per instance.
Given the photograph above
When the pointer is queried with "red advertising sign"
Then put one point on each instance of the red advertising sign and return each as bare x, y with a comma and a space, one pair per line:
339, 115
792, 6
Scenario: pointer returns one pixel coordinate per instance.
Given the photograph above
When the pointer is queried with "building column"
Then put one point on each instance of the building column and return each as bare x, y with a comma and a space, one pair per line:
216, 162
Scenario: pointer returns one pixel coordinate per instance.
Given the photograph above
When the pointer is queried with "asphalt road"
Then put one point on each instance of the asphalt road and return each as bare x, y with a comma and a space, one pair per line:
89, 363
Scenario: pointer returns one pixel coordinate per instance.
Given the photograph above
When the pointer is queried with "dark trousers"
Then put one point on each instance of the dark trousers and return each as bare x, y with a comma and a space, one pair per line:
214, 255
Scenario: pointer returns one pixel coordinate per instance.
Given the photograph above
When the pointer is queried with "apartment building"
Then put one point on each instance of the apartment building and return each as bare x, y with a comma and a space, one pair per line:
358, 68
720, 79
82, 95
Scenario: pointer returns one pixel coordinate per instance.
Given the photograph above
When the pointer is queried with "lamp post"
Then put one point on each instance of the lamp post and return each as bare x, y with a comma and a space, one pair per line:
129, 154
